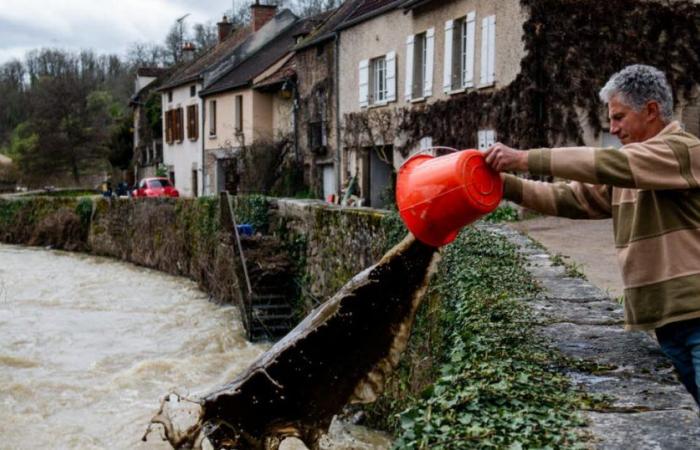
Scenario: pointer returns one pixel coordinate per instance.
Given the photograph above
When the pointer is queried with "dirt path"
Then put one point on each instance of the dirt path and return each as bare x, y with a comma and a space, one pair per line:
587, 243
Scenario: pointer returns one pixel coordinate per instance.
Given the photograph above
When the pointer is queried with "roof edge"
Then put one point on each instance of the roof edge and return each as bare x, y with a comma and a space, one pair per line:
369, 15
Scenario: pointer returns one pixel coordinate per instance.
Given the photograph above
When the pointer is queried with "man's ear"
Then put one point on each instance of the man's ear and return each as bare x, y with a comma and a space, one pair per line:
653, 110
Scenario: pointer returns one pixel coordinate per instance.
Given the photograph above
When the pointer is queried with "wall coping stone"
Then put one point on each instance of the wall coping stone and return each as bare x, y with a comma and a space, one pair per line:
648, 407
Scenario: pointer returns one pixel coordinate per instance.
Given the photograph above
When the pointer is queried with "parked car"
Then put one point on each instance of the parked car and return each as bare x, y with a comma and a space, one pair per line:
155, 187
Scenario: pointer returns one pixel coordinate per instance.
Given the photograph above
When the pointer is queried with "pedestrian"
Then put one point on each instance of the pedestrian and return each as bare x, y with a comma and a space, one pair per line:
650, 187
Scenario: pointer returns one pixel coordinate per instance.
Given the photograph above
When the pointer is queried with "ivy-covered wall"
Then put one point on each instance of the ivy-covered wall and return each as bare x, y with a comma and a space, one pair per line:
572, 47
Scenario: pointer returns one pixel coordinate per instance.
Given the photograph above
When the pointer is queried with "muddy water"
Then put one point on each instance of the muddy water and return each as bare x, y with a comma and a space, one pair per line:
89, 345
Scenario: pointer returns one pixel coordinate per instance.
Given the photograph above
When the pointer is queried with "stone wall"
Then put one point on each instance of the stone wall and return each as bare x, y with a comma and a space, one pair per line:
336, 242
184, 236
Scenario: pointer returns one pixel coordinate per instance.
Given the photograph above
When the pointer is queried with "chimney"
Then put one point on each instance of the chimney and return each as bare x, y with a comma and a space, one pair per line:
261, 14
225, 28
188, 51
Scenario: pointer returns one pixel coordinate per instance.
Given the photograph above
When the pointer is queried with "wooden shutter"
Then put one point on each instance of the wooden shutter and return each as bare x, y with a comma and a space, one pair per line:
429, 57
471, 42
410, 42
447, 72
391, 76
488, 50
364, 82
491, 66
168, 128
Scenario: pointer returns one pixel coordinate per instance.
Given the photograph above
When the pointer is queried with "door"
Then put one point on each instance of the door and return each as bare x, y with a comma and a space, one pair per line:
328, 175
381, 171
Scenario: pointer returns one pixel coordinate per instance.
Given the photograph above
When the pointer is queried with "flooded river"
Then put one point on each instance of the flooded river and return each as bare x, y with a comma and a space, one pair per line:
89, 345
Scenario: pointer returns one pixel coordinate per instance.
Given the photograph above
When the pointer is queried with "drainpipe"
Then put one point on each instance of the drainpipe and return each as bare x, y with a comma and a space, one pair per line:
203, 108
336, 58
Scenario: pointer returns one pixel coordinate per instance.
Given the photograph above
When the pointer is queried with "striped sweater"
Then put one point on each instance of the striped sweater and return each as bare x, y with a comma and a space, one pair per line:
651, 190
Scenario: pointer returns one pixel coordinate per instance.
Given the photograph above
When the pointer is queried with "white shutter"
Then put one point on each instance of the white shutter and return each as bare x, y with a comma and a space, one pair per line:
429, 57
447, 78
409, 66
482, 140
471, 42
391, 76
490, 138
364, 82
491, 66
484, 57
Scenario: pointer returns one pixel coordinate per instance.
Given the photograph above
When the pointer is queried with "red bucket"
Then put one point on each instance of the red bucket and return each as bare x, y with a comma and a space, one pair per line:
437, 196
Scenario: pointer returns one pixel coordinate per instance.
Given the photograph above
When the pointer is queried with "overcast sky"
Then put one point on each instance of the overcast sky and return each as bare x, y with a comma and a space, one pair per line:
105, 26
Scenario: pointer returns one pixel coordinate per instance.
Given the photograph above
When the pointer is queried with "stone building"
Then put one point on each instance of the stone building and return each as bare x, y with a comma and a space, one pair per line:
183, 115
466, 73
250, 101
148, 137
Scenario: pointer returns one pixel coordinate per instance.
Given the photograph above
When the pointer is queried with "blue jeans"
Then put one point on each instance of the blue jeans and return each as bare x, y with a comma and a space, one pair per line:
680, 341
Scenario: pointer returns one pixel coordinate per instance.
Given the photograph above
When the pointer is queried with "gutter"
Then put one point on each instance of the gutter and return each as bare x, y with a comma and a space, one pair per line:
336, 62
203, 107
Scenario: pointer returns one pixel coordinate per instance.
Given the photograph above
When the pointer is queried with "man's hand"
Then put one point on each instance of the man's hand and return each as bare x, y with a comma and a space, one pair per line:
505, 159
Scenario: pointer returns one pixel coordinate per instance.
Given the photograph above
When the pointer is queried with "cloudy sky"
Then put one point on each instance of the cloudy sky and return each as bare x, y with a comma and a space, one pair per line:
106, 26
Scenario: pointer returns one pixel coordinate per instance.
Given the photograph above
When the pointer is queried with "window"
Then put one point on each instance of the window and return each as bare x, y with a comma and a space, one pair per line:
238, 118
193, 90
173, 126
459, 53
420, 51
488, 51
317, 137
212, 118
178, 130
378, 77
170, 96
192, 123
377, 80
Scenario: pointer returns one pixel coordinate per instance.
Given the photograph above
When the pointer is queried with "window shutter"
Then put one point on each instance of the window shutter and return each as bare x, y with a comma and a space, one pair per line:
391, 76
447, 73
490, 138
409, 66
471, 29
484, 57
364, 82
491, 67
482, 140
429, 57
195, 122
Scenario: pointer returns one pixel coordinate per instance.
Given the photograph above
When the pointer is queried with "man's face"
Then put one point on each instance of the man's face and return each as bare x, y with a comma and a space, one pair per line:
627, 124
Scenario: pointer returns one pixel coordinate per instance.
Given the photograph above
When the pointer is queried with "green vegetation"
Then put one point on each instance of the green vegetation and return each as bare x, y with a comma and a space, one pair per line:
504, 213
571, 268
253, 210
475, 375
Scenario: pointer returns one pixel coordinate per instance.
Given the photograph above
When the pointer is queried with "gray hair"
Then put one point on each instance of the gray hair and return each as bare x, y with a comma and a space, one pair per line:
638, 84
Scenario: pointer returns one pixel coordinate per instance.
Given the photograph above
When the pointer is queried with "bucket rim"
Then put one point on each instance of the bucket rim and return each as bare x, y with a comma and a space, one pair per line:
426, 150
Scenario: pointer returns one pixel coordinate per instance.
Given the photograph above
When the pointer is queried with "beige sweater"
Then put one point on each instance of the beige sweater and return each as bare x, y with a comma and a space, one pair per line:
651, 190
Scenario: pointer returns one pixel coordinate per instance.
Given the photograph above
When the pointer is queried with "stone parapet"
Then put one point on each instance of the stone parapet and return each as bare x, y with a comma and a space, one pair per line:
646, 406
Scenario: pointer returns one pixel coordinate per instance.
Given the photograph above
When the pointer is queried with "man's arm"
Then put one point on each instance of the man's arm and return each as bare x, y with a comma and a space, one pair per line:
664, 162
574, 200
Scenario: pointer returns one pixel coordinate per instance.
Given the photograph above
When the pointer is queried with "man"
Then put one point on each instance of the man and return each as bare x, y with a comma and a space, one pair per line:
650, 187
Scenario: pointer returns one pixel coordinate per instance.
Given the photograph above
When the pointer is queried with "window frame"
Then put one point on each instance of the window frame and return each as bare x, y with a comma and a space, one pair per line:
378, 71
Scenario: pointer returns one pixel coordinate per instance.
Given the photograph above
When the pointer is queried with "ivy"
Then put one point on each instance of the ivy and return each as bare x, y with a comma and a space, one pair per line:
254, 210
475, 375
571, 48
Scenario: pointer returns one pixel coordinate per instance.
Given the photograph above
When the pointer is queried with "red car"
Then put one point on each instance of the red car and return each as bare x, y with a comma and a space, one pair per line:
155, 187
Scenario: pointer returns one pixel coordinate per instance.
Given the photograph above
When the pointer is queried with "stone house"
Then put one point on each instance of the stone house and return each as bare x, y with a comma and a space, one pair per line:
316, 59
465, 73
182, 107
249, 103
148, 137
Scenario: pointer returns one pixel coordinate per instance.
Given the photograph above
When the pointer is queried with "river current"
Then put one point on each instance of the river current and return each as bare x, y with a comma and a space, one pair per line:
89, 346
